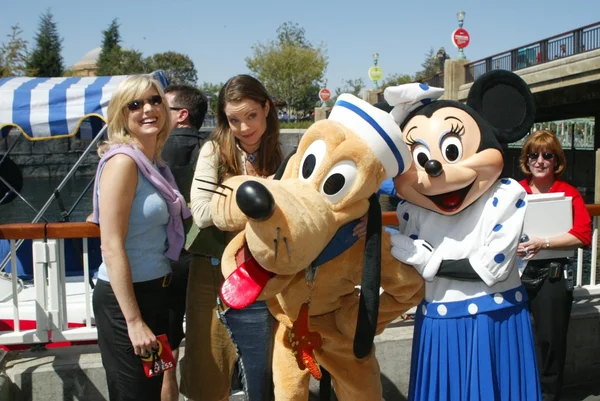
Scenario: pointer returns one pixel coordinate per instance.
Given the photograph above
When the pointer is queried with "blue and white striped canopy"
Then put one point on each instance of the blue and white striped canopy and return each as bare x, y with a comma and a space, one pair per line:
49, 108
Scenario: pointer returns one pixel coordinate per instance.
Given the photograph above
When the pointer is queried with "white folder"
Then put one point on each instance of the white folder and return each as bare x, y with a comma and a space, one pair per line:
547, 216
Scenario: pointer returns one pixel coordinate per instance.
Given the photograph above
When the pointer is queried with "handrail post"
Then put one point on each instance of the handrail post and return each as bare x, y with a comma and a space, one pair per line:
54, 285
40, 279
14, 278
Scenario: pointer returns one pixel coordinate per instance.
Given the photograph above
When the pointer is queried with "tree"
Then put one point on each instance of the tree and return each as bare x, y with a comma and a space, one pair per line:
212, 93
433, 64
13, 55
352, 86
396, 79
111, 46
290, 68
46, 58
178, 67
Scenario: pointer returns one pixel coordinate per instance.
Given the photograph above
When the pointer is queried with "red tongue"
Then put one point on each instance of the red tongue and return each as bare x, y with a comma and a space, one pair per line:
245, 284
451, 199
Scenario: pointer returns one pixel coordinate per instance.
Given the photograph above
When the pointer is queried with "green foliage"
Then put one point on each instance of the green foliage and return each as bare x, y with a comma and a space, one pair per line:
178, 67
298, 124
212, 92
290, 68
46, 59
111, 47
351, 86
433, 64
13, 55
396, 79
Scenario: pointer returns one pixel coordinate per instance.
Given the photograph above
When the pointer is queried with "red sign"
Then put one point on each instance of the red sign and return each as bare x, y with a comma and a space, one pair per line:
324, 94
461, 38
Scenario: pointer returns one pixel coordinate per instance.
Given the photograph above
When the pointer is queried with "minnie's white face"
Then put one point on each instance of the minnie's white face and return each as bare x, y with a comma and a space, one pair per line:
447, 174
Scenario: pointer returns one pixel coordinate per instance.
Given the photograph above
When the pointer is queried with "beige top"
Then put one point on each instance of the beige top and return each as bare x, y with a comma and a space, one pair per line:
207, 168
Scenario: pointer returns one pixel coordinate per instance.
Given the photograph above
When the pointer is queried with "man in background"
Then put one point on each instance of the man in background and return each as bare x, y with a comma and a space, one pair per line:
187, 106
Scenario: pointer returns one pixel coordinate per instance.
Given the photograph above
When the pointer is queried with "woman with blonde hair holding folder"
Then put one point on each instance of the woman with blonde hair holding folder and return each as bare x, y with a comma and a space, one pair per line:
548, 281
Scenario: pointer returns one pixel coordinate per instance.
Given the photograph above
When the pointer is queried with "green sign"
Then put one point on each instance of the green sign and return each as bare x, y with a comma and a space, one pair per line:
375, 73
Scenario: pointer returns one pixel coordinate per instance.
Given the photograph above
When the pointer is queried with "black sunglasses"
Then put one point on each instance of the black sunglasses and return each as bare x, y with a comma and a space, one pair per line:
545, 155
137, 104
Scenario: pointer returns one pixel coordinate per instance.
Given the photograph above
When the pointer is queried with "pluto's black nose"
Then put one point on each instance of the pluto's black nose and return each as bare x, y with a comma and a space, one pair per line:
255, 200
434, 168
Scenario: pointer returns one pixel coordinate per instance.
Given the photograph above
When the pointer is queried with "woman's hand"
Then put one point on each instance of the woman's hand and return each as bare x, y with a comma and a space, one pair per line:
360, 230
529, 249
142, 338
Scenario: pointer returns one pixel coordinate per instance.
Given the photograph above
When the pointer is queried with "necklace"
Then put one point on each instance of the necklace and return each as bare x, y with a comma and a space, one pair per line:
251, 157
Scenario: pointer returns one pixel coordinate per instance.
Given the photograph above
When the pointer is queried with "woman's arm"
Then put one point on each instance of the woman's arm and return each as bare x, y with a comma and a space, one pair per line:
207, 168
117, 189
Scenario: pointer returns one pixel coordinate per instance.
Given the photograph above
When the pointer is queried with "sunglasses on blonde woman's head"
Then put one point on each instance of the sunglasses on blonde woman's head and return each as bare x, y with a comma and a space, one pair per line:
137, 104
545, 155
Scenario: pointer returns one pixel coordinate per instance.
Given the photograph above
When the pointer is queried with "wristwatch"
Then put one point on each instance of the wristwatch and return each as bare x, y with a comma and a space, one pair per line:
547, 243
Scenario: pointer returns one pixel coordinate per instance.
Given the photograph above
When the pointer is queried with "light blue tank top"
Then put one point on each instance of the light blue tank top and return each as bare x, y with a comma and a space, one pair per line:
146, 240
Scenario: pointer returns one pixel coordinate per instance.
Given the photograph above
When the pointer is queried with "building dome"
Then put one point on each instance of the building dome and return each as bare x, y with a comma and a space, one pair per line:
87, 65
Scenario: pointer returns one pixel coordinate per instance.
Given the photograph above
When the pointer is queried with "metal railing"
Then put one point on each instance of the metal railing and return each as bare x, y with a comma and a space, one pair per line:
54, 313
565, 44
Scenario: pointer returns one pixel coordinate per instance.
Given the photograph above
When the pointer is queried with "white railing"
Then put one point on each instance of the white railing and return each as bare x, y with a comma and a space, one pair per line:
61, 306
60, 302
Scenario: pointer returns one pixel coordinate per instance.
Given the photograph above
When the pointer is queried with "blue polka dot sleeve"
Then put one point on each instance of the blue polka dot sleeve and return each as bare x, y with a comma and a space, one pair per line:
502, 223
407, 217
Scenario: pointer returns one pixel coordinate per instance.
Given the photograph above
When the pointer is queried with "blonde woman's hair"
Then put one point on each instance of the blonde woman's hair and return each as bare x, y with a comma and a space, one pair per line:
128, 90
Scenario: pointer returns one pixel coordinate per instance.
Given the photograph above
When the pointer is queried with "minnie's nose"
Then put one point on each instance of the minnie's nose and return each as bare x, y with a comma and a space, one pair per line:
255, 200
434, 168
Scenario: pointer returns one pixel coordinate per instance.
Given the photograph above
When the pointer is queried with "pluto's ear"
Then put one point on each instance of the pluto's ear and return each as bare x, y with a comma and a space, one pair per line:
282, 167
505, 101
368, 309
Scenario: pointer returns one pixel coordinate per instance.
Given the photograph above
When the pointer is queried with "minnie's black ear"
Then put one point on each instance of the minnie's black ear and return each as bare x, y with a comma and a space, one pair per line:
385, 106
368, 309
283, 165
505, 101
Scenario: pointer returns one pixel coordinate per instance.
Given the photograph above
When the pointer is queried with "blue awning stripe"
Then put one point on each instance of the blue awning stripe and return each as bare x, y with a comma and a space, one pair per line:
93, 96
22, 103
58, 112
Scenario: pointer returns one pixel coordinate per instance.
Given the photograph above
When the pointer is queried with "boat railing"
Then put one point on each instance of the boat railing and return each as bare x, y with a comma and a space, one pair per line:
49, 278
52, 308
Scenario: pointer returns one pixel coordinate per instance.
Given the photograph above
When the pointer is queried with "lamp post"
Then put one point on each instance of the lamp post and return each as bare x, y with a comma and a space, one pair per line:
460, 16
375, 72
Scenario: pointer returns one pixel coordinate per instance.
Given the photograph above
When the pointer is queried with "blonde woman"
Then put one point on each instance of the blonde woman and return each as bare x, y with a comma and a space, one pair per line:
139, 209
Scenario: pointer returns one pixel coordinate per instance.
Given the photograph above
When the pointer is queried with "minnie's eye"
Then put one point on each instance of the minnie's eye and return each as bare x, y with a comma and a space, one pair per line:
311, 160
421, 155
451, 148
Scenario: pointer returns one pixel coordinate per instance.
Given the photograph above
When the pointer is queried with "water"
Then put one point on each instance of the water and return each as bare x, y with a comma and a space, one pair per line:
37, 191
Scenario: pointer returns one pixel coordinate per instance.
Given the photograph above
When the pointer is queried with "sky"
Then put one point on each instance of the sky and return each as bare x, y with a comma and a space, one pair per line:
218, 35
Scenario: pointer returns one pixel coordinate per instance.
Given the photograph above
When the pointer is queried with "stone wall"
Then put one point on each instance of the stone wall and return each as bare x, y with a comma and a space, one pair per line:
55, 157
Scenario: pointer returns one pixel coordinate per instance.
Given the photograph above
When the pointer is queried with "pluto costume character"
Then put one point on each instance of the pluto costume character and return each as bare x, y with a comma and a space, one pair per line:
460, 227
297, 251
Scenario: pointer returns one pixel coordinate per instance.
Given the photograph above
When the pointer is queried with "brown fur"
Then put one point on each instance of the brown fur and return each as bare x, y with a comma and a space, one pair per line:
309, 221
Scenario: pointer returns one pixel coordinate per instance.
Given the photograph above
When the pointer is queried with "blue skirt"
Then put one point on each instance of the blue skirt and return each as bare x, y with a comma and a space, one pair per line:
478, 349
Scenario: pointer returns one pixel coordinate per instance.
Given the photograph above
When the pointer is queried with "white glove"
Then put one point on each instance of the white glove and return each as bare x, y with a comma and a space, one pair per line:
414, 252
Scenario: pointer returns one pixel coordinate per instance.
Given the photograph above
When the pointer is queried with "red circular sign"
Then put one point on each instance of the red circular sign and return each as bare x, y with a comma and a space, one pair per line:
324, 94
461, 38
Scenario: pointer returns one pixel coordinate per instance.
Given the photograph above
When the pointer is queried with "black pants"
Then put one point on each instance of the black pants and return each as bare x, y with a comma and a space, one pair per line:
124, 372
550, 303
177, 294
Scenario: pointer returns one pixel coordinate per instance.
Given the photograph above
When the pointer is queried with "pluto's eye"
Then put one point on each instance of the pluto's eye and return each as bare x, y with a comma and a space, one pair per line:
311, 160
339, 181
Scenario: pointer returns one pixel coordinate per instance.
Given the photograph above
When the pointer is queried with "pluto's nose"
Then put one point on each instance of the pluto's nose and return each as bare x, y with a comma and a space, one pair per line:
255, 200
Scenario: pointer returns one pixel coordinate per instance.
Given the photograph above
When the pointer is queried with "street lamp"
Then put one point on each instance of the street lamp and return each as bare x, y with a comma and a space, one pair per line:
375, 72
460, 16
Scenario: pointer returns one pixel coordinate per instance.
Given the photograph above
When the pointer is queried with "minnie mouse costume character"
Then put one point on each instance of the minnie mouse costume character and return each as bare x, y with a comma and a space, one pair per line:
460, 227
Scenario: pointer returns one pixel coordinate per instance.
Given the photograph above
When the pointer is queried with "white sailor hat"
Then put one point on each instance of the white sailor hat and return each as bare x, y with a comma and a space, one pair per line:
377, 128
407, 97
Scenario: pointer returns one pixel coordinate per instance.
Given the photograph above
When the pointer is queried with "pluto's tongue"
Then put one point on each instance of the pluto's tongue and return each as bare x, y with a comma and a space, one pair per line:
245, 284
